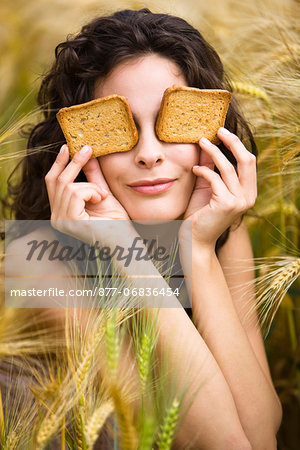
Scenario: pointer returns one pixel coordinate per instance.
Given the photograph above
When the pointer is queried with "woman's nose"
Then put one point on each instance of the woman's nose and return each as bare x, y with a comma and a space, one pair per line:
149, 150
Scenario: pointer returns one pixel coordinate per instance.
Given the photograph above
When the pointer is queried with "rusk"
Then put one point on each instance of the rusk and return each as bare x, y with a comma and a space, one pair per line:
186, 114
106, 124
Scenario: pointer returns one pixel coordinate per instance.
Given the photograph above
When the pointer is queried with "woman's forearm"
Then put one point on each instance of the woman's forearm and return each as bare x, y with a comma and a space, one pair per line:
217, 321
191, 366
211, 421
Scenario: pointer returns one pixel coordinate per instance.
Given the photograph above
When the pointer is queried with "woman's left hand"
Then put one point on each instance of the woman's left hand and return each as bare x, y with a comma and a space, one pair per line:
219, 200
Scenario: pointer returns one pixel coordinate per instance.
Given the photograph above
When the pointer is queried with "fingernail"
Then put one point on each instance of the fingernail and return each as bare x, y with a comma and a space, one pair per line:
205, 141
104, 190
224, 130
84, 149
195, 167
63, 149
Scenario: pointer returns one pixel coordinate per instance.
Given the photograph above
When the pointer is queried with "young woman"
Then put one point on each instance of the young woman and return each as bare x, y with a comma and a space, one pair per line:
139, 54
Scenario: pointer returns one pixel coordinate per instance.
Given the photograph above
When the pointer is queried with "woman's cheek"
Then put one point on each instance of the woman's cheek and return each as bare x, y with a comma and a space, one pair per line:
109, 167
187, 155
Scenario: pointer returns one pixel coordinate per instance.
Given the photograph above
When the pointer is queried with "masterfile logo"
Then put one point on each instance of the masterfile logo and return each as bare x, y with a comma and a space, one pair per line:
47, 268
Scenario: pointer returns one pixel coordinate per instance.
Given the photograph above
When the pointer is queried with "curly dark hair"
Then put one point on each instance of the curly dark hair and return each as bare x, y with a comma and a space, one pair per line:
93, 53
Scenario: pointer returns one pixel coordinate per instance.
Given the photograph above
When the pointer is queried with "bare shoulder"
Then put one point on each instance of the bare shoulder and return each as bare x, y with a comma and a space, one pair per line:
36, 276
31, 253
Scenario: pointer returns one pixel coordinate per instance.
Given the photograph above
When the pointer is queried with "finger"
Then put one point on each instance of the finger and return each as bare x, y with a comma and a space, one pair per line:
71, 190
226, 169
246, 161
76, 208
69, 174
205, 159
56, 169
75, 166
214, 180
93, 173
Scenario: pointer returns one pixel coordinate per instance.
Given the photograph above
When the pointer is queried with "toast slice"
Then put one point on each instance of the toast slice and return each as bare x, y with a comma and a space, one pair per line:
106, 124
187, 114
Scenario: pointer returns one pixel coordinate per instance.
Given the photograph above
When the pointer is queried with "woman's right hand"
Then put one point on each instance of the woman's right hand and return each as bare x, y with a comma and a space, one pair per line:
70, 202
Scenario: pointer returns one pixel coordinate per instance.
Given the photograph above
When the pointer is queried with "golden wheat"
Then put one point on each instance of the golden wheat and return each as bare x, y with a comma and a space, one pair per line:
13, 441
48, 427
80, 424
63, 434
95, 423
65, 397
80, 377
271, 288
267, 31
249, 89
124, 413
287, 275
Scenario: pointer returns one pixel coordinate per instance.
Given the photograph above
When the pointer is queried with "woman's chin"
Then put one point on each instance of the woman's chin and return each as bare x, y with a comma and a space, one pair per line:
151, 218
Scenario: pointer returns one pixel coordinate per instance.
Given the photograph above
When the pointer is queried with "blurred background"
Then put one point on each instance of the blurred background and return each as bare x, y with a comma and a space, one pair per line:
258, 42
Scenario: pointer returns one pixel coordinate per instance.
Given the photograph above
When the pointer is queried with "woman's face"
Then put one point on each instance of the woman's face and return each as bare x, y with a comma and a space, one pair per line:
143, 81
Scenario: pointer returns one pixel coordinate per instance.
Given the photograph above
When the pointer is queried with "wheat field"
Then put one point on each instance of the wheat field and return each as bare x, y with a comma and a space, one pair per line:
258, 43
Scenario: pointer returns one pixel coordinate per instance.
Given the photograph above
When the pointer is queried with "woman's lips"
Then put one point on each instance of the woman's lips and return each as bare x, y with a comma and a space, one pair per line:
153, 188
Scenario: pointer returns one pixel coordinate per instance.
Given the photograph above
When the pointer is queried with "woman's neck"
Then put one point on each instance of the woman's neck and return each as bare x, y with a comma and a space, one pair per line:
161, 234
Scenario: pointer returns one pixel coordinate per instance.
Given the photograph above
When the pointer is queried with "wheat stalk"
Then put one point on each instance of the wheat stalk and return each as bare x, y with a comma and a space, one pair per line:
1, 418
147, 432
124, 413
63, 434
79, 425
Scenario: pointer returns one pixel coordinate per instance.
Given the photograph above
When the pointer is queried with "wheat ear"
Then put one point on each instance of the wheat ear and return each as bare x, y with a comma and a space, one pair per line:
287, 275
12, 441
48, 427
51, 423
96, 421
270, 298
81, 373
168, 426
249, 89
112, 348
143, 359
